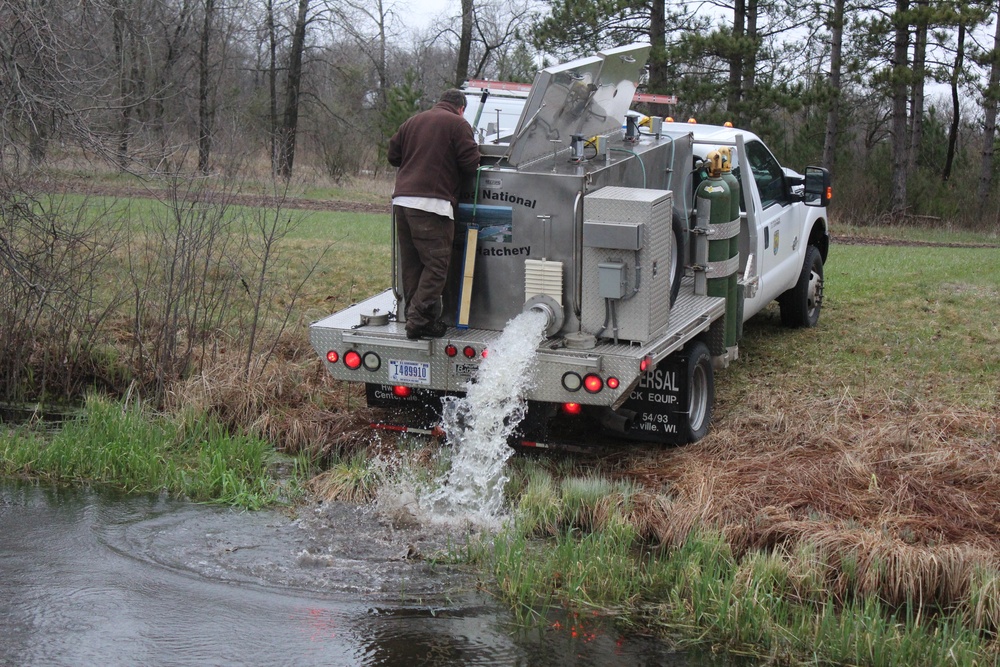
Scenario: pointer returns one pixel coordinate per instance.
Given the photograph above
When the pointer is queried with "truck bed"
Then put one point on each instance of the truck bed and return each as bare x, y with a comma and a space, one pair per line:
691, 315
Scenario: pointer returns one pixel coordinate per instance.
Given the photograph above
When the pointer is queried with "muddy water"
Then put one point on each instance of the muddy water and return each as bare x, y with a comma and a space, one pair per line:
99, 579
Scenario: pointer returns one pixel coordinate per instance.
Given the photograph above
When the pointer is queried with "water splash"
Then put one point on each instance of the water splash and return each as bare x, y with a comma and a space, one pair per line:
479, 425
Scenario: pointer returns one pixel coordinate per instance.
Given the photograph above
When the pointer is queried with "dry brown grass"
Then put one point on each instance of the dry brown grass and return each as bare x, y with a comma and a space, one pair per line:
291, 401
900, 500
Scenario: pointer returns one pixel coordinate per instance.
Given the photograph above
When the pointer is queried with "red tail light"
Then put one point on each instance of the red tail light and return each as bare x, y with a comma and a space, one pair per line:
469, 352
352, 360
401, 391
612, 383
593, 383
451, 350
332, 356
572, 408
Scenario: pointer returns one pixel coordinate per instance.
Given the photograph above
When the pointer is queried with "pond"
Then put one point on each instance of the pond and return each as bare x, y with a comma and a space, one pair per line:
100, 578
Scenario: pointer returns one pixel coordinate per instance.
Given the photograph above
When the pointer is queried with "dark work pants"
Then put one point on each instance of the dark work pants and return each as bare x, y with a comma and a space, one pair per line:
425, 241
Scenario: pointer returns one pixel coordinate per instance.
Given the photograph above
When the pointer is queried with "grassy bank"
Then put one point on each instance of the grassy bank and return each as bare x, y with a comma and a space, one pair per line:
845, 506
129, 448
585, 542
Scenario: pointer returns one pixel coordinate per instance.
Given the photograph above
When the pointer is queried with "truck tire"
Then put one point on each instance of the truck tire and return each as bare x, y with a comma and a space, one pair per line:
701, 393
801, 304
678, 255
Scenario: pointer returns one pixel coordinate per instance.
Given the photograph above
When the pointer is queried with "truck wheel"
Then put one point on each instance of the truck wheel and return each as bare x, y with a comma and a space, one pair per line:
801, 304
701, 392
678, 255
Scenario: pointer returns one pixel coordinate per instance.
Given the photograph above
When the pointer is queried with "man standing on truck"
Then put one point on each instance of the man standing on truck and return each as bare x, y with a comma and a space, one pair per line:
432, 150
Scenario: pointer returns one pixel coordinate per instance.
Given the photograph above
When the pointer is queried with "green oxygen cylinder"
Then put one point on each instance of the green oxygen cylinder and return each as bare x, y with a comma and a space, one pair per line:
734, 298
713, 200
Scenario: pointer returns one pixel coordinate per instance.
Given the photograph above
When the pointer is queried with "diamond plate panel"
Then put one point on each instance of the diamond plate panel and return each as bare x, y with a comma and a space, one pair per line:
643, 316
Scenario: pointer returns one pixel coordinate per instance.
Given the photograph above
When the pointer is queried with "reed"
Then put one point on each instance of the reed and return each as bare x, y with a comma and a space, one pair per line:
767, 604
355, 478
126, 446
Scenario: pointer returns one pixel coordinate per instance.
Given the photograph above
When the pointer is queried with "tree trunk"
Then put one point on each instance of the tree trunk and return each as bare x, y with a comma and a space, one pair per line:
833, 112
465, 42
118, 36
204, 106
658, 81
956, 109
919, 75
750, 61
272, 88
736, 60
990, 122
293, 87
900, 145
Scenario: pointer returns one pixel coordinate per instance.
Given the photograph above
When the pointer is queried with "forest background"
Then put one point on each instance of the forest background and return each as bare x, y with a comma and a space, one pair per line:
191, 104
898, 98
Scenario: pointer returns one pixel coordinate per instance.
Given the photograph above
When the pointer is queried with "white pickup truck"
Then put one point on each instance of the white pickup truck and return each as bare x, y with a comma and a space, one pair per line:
625, 240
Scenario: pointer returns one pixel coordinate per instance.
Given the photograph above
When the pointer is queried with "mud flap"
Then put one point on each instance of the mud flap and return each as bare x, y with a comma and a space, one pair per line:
420, 410
660, 401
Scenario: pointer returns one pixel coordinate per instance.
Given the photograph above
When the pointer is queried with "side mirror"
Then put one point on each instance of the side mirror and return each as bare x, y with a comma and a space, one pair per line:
818, 187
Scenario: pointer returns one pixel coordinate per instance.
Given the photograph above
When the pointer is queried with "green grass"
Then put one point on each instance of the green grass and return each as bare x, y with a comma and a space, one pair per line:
352, 248
128, 448
764, 604
919, 324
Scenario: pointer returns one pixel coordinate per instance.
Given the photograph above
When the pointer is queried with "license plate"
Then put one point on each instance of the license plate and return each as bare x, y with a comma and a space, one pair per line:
413, 372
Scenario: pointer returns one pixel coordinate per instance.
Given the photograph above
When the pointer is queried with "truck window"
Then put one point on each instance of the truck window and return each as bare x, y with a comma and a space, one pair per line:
767, 173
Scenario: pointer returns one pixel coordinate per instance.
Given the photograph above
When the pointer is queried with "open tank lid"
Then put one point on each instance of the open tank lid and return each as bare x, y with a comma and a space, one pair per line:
589, 96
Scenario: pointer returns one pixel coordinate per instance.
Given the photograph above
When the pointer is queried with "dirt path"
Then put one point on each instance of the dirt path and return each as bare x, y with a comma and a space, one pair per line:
863, 240
216, 197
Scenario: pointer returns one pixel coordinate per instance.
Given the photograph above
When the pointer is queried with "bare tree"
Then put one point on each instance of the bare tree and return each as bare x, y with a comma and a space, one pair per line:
293, 88
836, 58
205, 111
465, 41
991, 96
370, 26
900, 89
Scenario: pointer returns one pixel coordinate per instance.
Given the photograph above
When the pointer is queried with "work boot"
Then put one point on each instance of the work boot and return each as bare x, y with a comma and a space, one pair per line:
435, 329
432, 330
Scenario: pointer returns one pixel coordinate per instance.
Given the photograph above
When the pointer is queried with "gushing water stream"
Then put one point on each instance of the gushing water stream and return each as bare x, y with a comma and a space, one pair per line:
479, 425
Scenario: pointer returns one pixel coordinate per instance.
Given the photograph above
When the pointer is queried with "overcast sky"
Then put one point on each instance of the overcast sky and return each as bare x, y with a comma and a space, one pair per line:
421, 14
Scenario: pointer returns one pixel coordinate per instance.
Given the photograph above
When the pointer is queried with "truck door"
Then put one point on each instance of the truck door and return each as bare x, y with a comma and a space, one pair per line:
776, 229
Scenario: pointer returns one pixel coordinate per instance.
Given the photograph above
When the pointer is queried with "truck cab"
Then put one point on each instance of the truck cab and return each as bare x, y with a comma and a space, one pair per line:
781, 219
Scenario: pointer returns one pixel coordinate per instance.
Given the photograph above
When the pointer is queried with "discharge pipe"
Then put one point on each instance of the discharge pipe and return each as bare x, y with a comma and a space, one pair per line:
618, 421
550, 308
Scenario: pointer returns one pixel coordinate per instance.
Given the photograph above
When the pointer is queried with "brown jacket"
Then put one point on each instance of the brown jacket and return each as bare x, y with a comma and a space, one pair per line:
432, 149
